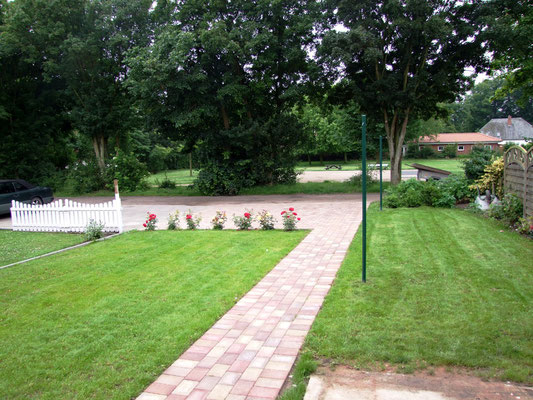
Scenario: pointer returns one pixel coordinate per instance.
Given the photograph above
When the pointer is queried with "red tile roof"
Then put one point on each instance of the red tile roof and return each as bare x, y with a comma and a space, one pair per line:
472, 137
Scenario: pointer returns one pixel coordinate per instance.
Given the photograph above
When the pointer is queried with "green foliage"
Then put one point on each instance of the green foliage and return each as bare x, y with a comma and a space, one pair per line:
94, 230
167, 184
173, 221
426, 152
525, 226
129, 171
305, 366
413, 193
492, 178
474, 166
85, 177
450, 151
402, 59
509, 210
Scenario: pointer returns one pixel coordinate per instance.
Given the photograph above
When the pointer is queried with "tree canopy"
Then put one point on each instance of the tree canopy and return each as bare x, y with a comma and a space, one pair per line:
401, 59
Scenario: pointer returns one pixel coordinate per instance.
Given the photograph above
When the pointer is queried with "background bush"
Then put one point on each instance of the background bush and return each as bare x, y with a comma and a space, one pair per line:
474, 166
129, 171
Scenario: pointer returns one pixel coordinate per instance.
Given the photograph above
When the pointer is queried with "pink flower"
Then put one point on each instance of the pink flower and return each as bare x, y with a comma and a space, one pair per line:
144, 225
247, 215
189, 216
291, 209
298, 219
153, 216
283, 212
294, 214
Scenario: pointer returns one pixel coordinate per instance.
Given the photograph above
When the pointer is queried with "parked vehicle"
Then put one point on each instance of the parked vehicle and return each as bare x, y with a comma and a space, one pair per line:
17, 189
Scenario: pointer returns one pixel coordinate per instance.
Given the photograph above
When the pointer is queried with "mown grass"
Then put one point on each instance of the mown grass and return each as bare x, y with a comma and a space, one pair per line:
454, 165
103, 321
445, 288
178, 176
297, 188
18, 246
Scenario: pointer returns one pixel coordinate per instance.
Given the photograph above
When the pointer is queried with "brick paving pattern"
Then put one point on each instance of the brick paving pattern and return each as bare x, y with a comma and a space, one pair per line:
250, 351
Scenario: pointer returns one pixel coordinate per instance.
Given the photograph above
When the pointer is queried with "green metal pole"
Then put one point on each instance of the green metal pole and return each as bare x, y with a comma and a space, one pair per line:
380, 173
363, 158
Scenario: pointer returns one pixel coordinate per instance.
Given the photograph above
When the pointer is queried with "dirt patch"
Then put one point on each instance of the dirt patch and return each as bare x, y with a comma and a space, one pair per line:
439, 384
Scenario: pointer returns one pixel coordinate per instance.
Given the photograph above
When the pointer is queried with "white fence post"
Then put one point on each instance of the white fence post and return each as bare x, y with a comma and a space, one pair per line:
67, 216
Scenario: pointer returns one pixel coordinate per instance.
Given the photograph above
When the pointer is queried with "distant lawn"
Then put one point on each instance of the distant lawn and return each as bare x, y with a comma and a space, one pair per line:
297, 188
105, 320
17, 246
453, 165
445, 288
178, 176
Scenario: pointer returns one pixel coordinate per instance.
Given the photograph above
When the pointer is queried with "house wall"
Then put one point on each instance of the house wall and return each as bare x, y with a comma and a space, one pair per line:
467, 148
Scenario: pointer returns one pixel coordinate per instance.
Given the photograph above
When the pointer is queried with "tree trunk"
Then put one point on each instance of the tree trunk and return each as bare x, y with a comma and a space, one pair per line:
309, 158
396, 130
345, 158
321, 159
100, 150
190, 164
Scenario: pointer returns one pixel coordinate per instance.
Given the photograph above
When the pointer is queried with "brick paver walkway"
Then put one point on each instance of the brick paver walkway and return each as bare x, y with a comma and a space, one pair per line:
249, 352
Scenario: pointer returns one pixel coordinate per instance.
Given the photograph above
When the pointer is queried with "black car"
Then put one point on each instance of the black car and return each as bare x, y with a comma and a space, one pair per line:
17, 189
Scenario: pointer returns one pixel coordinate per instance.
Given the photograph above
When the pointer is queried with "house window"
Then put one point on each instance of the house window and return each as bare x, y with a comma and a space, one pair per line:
440, 148
460, 148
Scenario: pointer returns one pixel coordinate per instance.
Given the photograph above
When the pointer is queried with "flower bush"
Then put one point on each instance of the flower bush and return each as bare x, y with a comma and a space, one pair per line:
266, 220
290, 219
244, 222
151, 221
219, 220
174, 221
525, 226
94, 230
192, 221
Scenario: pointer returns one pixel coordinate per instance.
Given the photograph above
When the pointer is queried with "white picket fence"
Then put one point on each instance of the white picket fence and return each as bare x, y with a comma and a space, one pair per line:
66, 216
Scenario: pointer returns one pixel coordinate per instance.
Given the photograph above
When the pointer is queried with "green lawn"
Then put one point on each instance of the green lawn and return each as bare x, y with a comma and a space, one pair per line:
297, 188
178, 176
445, 288
103, 321
17, 246
453, 165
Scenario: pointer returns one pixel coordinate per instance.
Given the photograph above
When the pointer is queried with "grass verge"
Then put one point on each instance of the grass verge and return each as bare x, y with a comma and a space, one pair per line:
297, 188
103, 321
445, 288
18, 246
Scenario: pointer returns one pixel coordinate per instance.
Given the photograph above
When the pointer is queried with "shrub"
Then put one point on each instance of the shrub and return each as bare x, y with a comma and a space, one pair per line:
216, 179
266, 220
475, 165
219, 220
167, 184
509, 210
174, 221
151, 221
244, 222
492, 179
426, 152
450, 151
525, 226
129, 171
413, 193
290, 219
192, 221
94, 230
85, 177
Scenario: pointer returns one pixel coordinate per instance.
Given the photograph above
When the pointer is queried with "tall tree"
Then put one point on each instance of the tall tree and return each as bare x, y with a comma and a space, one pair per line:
224, 75
92, 64
400, 58
510, 32
34, 127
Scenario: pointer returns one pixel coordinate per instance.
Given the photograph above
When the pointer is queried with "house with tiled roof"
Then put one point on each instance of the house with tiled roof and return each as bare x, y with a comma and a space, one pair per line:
463, 141
515, 130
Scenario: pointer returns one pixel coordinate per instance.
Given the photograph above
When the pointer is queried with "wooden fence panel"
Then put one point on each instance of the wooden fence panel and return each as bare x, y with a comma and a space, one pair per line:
518, 176
66, 216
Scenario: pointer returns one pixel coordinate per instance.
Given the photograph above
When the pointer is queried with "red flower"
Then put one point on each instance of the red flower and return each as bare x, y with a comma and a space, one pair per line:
294, 214
298, 219
189, 216
283, 212
247, 215
153, 216
291, 209
144, 225
531, 228
288, 216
